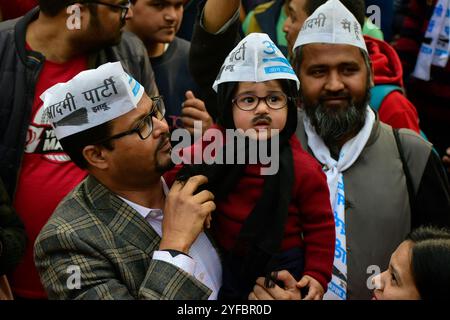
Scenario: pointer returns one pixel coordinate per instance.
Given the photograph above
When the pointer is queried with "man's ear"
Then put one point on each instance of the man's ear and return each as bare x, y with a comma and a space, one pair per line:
95, 156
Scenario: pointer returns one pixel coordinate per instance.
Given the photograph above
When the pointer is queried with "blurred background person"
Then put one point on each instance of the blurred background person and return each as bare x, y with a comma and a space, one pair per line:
430, 96
156, 23
12, 241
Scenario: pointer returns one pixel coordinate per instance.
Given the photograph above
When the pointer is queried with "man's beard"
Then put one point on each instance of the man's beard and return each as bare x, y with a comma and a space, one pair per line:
333, 125
97, 39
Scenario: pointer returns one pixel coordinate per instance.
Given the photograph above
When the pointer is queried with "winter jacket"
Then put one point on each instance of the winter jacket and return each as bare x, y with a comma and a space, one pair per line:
20, 70
12, 234
395, 110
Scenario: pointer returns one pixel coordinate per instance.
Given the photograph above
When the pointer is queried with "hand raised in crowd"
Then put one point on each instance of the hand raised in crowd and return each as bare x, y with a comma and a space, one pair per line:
218, 12
274, 292
446, 159
185, 214
315, 289
194, 110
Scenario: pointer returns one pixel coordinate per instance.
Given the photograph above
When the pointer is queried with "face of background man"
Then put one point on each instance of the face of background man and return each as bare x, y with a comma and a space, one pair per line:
105, 25
156, 21
296, 16
334, 90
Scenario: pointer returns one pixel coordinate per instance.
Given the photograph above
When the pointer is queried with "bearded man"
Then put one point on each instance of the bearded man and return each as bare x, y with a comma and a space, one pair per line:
382, 182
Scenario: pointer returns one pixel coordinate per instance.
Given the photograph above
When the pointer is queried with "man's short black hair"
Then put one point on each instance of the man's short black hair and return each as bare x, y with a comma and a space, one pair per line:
53, 7
357, 7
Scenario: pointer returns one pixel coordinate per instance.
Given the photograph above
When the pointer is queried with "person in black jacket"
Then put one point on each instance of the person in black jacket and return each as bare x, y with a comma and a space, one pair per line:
51, 44
12, 242
12, 234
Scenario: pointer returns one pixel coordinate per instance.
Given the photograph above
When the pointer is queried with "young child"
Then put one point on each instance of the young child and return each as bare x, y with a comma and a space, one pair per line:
266, 223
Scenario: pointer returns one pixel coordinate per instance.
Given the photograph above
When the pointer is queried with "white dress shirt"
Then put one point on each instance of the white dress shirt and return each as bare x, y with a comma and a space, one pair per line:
203, 261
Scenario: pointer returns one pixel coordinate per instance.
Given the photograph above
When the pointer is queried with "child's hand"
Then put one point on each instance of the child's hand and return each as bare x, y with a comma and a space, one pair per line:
315, 290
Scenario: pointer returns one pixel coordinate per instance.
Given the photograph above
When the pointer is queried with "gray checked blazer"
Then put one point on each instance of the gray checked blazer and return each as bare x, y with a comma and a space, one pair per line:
97, 236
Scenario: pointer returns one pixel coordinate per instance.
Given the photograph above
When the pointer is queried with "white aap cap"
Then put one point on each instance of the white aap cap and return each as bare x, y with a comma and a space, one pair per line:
255, 59
91, 98
333, 23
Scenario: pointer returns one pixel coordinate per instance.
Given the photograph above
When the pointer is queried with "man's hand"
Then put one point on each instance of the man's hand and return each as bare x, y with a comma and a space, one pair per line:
194, 110
274, 292
315, 290
185, 214
446, 159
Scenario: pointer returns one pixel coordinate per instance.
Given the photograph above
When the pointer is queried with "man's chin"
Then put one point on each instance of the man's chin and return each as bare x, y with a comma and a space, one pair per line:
117, 39
164, 166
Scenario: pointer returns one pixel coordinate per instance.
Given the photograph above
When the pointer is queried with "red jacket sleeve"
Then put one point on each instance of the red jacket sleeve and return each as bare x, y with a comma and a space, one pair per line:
317, 221
398, 112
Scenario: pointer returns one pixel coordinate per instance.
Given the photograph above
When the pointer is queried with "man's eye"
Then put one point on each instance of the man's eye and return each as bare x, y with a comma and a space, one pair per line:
350, 70
393, 279
317, 72
158, 5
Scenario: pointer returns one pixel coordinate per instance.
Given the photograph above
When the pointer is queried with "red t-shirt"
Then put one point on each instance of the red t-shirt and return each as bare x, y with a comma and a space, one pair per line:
46, 176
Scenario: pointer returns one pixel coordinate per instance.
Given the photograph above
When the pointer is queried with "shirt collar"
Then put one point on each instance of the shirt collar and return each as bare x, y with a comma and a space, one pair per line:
148, 213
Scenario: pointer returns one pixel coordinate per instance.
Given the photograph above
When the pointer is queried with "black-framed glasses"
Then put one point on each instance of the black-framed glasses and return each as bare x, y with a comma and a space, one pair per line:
145, 127
123, 7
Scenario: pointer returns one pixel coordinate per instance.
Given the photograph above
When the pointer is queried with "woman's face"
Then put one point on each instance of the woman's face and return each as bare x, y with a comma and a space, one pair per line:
397, 283
262, 119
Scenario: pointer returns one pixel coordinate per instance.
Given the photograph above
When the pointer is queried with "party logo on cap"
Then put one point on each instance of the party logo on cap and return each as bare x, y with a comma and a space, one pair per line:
255, 59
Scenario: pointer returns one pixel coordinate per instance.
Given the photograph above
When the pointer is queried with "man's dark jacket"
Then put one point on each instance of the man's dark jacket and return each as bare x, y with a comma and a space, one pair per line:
19, 72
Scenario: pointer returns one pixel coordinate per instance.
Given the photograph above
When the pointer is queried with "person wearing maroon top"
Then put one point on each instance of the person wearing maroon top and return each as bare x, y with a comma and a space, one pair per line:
37, 51
267, 223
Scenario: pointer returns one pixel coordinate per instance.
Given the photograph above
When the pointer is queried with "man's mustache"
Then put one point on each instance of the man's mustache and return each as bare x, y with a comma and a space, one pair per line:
343, 96
163, 140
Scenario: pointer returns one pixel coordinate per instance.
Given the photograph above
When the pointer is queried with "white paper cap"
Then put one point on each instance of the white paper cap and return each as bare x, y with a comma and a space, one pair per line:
333, 23
255, 59
91, 98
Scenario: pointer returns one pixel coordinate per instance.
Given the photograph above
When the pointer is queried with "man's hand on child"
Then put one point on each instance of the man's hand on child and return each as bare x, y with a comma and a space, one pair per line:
271, 291
315, 289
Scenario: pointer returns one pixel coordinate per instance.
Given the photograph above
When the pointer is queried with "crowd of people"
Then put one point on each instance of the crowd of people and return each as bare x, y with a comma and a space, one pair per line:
95, 205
